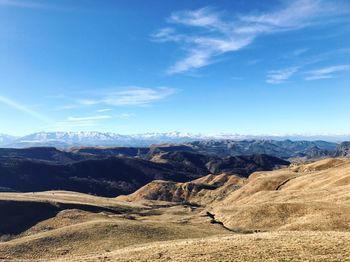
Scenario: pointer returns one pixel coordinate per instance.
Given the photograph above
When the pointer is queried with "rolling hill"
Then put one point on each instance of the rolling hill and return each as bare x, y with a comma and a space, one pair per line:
299, 213
41, 169
311, 196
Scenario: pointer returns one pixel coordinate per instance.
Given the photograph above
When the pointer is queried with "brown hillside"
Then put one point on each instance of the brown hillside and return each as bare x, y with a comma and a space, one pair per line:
314, 196
200, 191
301, 211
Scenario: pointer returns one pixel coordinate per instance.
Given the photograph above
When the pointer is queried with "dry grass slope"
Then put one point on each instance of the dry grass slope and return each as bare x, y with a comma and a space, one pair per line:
276, 246
74, 232
315, 196
201, 191
303, 211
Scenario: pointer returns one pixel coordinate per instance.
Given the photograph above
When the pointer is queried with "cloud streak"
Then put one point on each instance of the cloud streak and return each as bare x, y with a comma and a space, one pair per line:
22, 108
326, 72
132, 96
88, 118
280, 76
213, 34
102, 110
85, 121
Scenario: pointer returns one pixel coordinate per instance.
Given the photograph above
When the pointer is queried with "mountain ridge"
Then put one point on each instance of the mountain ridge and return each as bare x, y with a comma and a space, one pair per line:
42, 169
94, 138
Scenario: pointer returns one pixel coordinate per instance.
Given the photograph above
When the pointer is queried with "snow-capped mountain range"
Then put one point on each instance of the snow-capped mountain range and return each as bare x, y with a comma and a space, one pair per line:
69, 139
6, 139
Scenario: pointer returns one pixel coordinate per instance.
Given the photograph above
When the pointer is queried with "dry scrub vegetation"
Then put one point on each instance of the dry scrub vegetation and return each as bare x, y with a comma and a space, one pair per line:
300, 213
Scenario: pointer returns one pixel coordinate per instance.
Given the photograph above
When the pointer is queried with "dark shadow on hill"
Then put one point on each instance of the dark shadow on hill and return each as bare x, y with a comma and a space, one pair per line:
18, 216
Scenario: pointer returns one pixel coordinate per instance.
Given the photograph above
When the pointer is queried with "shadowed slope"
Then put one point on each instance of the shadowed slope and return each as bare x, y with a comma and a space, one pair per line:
20, 212
68, 224
107, 177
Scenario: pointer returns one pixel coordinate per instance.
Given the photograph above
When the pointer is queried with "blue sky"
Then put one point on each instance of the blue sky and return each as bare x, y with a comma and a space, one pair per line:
247, 67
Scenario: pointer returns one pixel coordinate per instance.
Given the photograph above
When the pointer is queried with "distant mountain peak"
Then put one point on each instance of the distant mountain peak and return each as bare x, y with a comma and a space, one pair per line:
63, 139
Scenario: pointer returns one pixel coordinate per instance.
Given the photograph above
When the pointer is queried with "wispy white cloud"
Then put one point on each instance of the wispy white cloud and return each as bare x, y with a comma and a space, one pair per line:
117, 97
341, 52
66, 107
167, 34
280, 76
88, 118
23, 108
102, 110
132, 96
213, 34
203, 17
79, 121
64, 125
86, 121
283, 75
206, 49
326, 72
295, 15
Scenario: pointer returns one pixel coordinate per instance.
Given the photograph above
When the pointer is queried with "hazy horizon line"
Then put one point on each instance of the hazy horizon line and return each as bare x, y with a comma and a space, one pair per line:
187, 133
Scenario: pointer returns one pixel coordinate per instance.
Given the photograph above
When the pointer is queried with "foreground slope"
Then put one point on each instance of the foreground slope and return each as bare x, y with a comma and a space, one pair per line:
276, 246
314, 196
50, 225
299, 213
